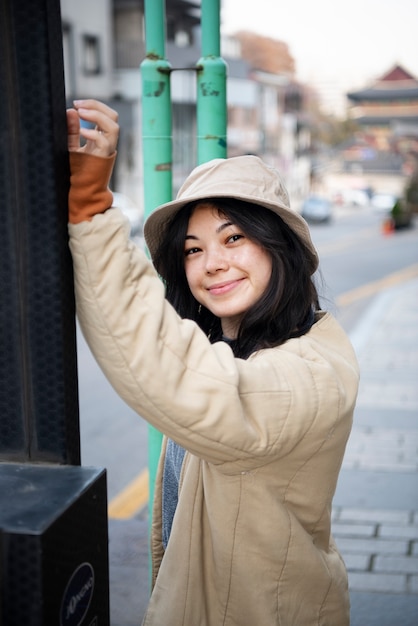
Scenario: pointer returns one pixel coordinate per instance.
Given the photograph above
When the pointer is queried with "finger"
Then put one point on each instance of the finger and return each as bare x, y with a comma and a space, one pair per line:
105, 135
98, 142
104, 120
100, 119
73, 130
96, 105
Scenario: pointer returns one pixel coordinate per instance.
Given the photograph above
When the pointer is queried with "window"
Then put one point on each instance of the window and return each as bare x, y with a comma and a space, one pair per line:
91, 55
69, 61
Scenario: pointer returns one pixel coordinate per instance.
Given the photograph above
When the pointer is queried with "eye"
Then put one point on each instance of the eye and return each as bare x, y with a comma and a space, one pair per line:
190, 251
234, 238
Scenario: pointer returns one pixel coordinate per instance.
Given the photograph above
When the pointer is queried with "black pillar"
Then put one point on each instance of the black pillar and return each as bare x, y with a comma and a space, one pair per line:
53, 513
38, 378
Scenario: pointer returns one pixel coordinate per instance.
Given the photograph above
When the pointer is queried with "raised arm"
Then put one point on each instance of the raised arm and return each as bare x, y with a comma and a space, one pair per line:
91, 164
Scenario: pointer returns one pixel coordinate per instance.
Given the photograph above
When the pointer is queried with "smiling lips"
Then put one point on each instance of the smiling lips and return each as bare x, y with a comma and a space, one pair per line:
222, 288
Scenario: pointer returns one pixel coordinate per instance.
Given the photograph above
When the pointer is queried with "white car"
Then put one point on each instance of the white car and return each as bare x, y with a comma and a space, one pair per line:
383, 202
355, 197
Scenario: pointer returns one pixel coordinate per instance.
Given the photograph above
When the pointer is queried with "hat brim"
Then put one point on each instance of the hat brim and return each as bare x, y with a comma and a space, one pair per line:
156, 224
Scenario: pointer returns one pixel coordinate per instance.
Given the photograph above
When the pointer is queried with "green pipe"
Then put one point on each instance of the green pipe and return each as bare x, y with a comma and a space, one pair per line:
156, 133
154, 14
157, 154
157, 128
211, 88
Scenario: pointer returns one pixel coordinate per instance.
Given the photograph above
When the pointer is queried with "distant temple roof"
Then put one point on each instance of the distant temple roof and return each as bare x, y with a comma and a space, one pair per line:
396, 84
396, 73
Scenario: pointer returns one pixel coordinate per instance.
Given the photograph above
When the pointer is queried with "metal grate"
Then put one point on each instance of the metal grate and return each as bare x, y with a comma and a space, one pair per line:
38, 373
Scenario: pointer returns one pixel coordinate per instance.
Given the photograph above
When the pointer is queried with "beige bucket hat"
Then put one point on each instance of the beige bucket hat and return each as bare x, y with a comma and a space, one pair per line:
245, 178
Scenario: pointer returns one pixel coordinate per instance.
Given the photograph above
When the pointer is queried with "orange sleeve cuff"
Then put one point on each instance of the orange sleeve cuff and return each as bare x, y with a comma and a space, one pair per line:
89, 192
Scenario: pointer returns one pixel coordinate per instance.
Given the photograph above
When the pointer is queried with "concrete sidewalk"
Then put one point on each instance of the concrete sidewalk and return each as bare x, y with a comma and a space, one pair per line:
375, 519
375, 515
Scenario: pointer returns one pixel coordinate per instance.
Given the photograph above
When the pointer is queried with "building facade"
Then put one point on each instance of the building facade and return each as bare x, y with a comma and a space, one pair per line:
386, 113
104, 46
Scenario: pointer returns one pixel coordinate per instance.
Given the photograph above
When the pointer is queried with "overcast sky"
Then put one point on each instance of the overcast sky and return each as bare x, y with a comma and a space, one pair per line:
346, 43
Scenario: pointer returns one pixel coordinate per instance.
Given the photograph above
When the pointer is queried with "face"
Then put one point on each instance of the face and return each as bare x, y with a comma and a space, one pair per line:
226, 272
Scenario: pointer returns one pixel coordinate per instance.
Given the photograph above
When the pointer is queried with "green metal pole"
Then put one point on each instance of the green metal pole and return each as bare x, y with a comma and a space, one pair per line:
157, 153
211, 88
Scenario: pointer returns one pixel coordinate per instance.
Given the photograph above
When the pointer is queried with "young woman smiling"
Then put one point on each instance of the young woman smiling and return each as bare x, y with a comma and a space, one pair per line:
230, 357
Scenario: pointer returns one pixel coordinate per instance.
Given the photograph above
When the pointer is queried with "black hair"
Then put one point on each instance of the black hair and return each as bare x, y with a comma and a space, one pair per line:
285, 310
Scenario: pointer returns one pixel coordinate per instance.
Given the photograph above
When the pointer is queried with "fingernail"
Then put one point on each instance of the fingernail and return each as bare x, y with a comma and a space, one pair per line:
78, 103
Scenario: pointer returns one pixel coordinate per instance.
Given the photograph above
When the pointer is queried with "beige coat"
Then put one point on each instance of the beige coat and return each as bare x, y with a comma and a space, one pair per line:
250, 543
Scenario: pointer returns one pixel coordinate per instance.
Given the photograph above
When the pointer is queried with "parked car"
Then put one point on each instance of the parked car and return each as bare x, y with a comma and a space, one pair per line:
383, 202
317, 209
356, 197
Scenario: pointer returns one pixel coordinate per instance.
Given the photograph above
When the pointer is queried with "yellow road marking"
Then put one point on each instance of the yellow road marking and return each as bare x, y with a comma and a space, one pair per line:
131, 499
135, 495
378, 285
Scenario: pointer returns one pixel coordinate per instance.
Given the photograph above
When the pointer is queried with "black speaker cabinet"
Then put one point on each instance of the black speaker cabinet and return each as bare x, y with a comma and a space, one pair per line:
54, 566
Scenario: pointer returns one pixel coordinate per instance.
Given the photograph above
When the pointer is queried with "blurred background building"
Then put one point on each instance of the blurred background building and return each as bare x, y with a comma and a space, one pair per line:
386, 113
269, 112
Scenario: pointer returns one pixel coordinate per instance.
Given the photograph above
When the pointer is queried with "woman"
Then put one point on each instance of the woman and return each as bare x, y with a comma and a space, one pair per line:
252, 385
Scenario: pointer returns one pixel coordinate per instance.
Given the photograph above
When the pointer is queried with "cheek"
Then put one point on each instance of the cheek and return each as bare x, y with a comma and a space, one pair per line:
263, 267
191, 276
259, 261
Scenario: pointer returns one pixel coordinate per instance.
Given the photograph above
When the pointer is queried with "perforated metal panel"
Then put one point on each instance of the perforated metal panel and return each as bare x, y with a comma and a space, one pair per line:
38, 376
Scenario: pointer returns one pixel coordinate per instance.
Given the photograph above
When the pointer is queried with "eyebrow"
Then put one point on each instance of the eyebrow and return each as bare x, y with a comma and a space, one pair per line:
218, 230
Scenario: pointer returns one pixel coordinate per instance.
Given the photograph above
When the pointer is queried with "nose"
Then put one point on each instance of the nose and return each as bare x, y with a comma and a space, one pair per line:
215, 260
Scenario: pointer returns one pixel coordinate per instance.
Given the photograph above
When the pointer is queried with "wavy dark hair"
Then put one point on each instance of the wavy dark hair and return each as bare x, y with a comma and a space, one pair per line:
285, 310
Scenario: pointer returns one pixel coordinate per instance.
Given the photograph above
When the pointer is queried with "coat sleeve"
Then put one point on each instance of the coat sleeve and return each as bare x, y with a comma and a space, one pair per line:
218, 407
